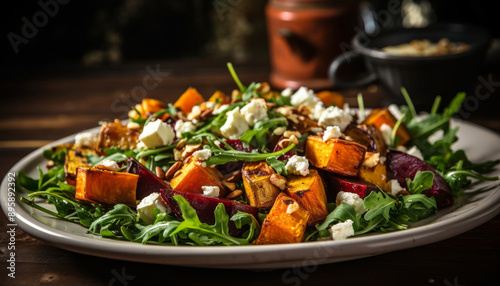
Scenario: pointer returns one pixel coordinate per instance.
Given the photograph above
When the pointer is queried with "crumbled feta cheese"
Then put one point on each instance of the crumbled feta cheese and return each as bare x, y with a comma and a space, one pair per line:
235, 125
342, 230
85, 139
306, 97
254, 111
148, 204
297, 165
382, 159
334, 116
287, 92
209, 104
414, 151
183, 126
195, 112
202, 154
371, 159
293, 207
317, 110
352, 199
220, 109
395, 187
386, 131
211, 191
157, 133
107, 165
394, 109
332, 132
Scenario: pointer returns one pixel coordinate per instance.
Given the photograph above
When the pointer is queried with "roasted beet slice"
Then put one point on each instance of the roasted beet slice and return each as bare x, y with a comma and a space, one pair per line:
285, 156
401, 165
148, 182
335, 183
205, 207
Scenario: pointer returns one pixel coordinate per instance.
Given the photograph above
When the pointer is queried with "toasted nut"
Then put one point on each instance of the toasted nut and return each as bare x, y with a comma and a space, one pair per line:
278, 180
234, 194
178, 173
289, 133
50, 164
271, 105
159, 172
292, 208
177, 155
284, 143
232, 177
304, 110
190, 149
229, 186
182, 116
294, 140
133, 125
206, 113
279, 130
181, 144
293, 118
172, 171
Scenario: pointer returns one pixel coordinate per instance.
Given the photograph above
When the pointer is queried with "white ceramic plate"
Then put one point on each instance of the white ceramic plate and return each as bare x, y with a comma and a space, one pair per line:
476, 206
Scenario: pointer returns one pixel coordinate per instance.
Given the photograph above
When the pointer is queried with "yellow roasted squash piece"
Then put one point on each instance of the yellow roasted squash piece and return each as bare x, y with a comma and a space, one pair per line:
106, 187
76, 158
309, 191
335, 155
194, 174
260, 192
116, 134
285, 223
381, 116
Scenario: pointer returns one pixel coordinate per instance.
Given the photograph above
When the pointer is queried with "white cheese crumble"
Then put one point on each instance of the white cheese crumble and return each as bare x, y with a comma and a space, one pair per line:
395, 187
394, 109
332, 132
293, 207
148, 204
307, 97
195, 112
211, 191
235, 125
183, 126
202, 154
371, 159
386, 131
334, 116
254, 111
342, 230
414, 151
297, 165
287, 92
220, 109
352, 199
107, 164
156, 133
85, 139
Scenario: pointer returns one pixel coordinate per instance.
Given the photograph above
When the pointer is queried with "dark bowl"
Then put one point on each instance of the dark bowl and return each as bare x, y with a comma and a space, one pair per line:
424, 77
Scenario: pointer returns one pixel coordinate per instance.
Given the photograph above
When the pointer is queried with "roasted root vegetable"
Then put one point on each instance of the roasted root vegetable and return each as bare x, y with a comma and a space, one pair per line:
309, 191
381, 116
147, 107
219, 97
335, 155
259, 190
367, 135
106, 186
331, 97
194, 175
114, 134
188, 99
285, 223
335, 183
148, 182
375, 175
76, 158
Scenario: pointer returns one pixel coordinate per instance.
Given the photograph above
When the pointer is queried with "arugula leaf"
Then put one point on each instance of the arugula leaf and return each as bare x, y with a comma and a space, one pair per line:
341, 213
418, 206
277, 165
259, 131
110, 224
378, 204
421, 182
221, 156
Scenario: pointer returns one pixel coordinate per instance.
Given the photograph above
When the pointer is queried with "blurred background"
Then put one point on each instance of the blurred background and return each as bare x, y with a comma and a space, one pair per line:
101, 33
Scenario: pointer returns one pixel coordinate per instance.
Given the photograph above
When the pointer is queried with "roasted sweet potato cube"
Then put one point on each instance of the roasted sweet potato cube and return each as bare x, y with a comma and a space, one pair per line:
194, 174
381, 116
106, 186
374, 174
219, 97
331, 97
259, 190
147, 107
188, 99
76, 158
116, 134
309, 191
335, 155
285, 223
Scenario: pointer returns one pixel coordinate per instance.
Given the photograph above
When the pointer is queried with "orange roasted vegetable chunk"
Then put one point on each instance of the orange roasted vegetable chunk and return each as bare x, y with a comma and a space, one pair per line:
219, 97
76, 158
147, 107
259, 190
335, 155
188, 99
106, 186
375, 175
285, 223
310, 193
115, 134
381, 116
331, 97
193, 175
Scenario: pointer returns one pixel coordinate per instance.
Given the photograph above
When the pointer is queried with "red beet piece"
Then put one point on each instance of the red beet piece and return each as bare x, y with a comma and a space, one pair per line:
148, 182
401, 165
335, 183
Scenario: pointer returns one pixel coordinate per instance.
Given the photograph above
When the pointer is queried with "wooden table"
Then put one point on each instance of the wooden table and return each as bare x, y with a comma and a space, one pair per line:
42, 108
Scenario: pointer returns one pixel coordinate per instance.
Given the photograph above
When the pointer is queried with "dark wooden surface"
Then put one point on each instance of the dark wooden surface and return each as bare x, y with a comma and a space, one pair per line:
50, 105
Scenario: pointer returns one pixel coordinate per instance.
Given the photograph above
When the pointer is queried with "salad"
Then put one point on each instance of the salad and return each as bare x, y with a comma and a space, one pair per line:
256, 167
